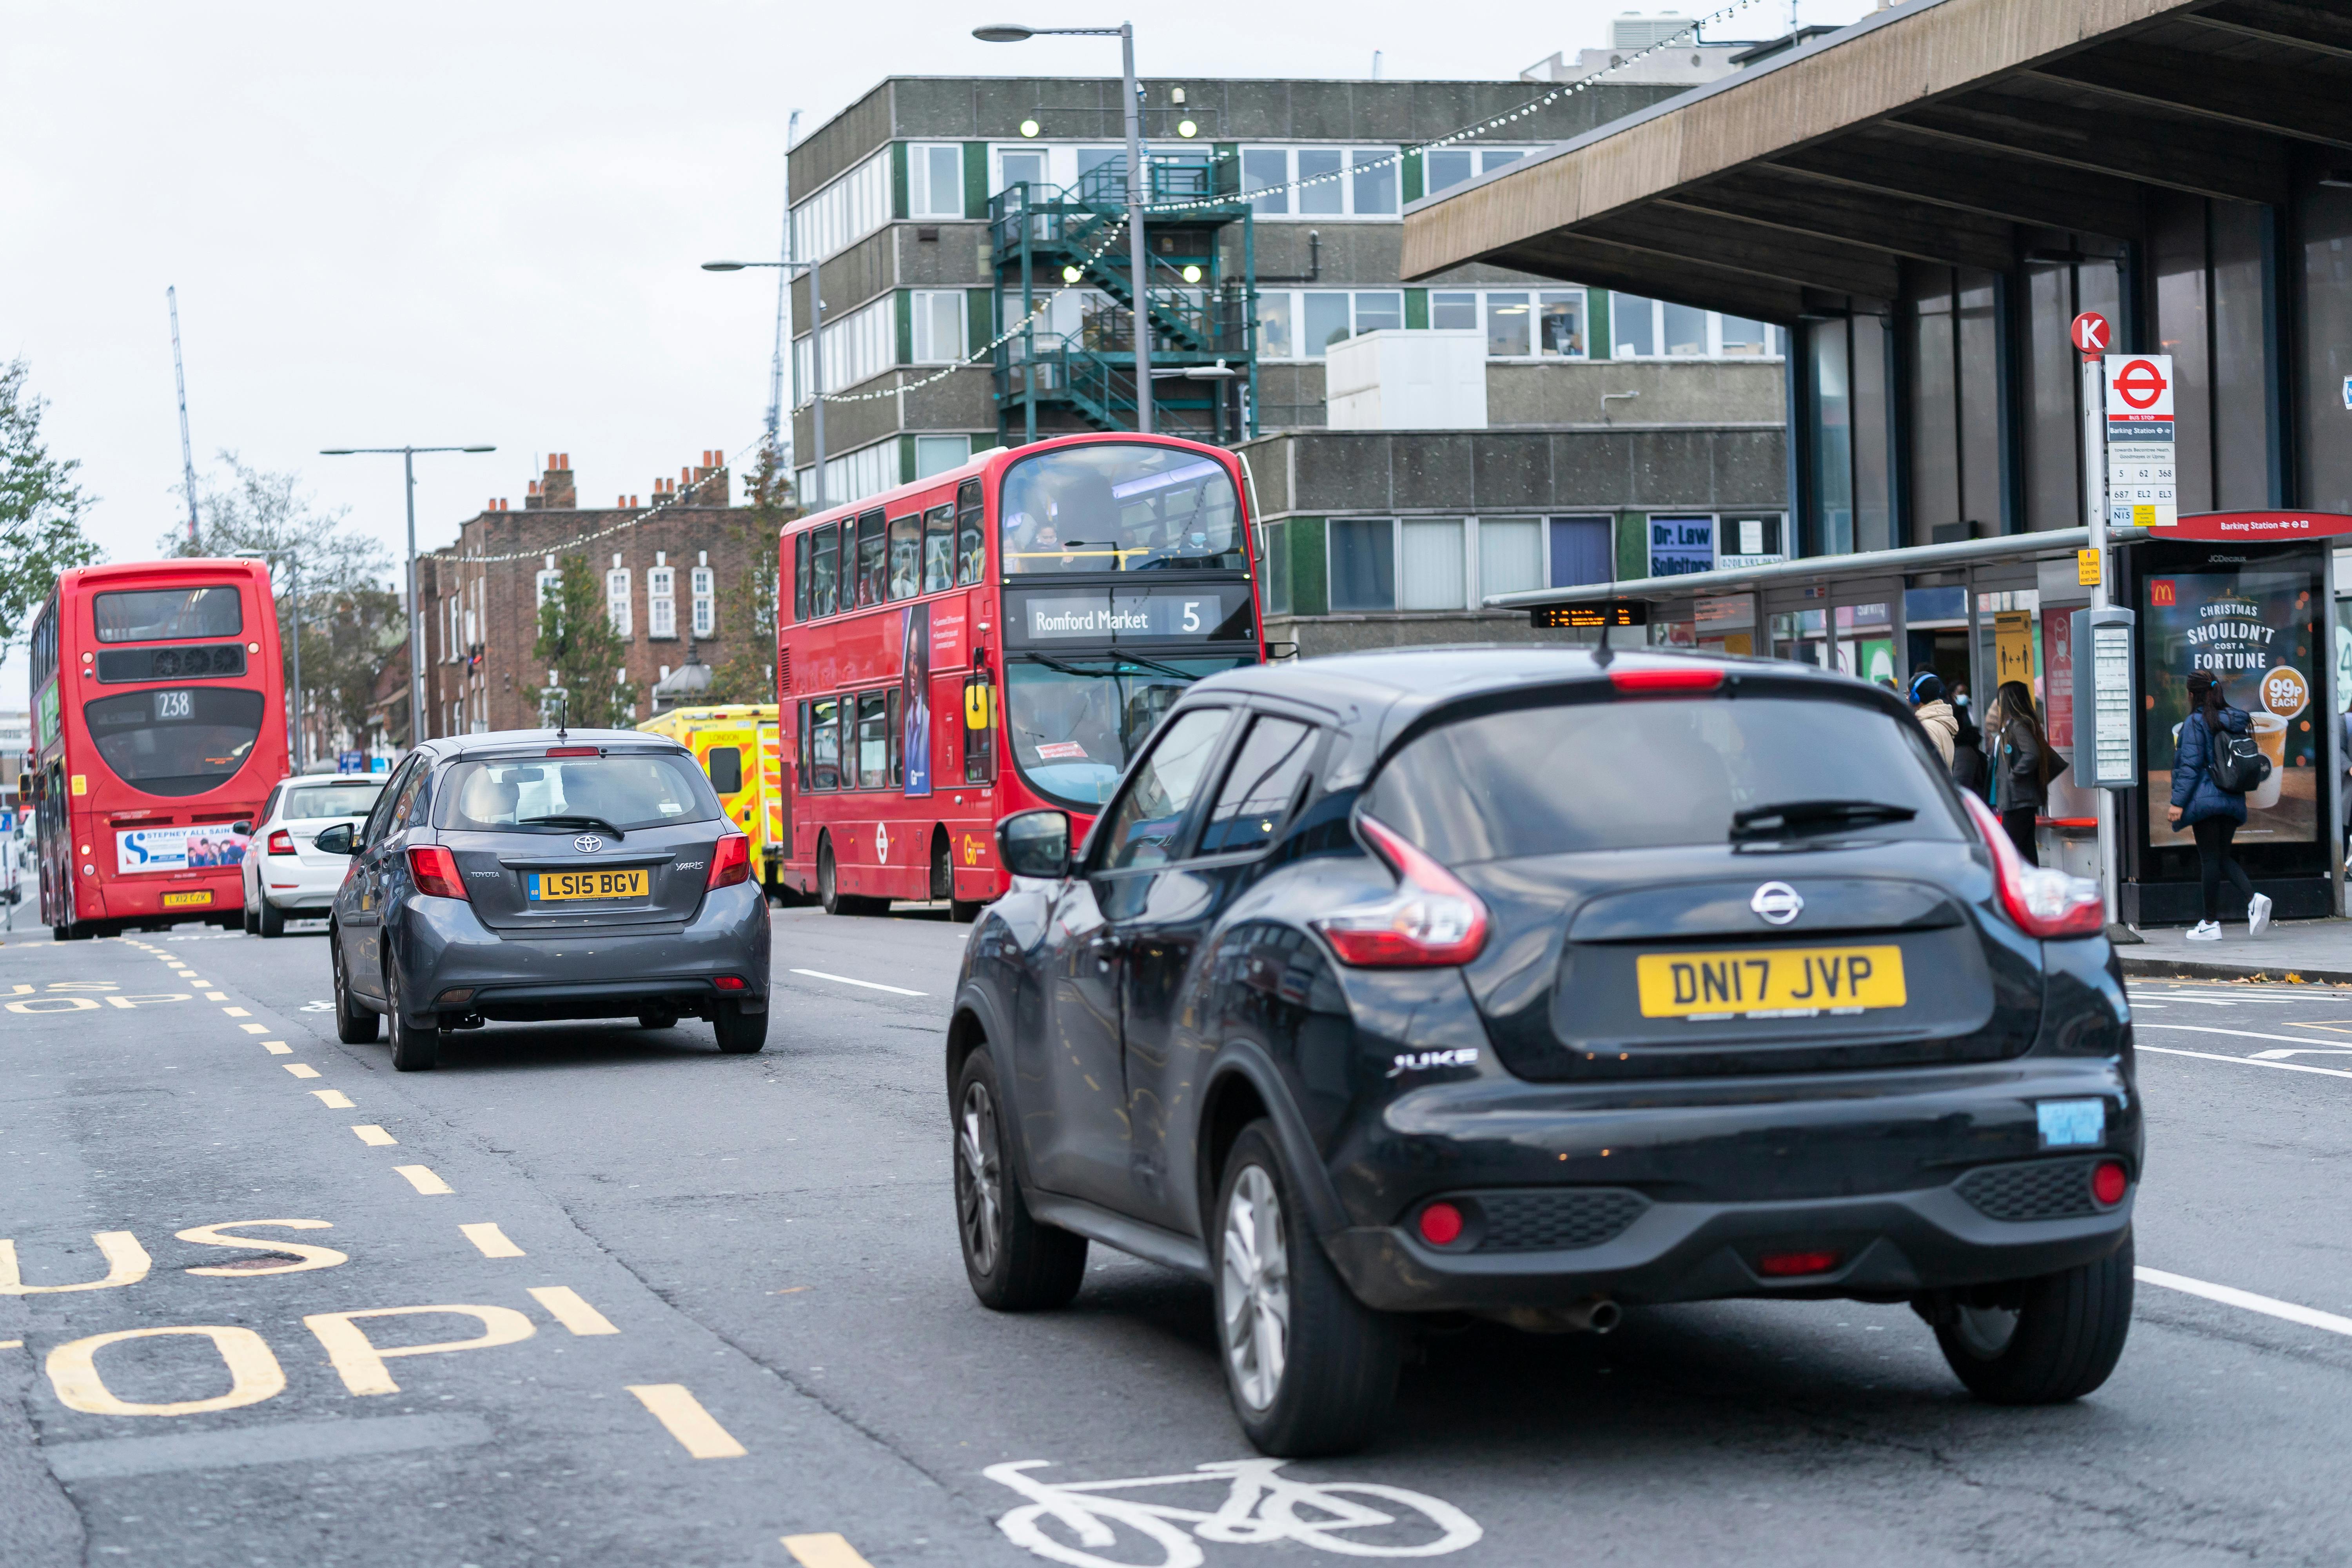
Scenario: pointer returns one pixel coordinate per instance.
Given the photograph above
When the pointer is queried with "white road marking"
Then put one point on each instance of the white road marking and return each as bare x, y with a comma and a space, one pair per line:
2231, 1296
2313, 1051
2247, 1061
2239, 1034
868, 984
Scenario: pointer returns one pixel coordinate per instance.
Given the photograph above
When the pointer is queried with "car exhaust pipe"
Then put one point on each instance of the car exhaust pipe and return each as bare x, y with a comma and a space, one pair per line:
1593, 1315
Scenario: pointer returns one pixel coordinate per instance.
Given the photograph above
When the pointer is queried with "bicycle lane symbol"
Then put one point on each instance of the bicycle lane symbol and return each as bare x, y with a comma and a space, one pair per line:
1354, 1519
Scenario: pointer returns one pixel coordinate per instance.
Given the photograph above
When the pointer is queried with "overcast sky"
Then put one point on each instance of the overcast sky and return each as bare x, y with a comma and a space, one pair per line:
440, 223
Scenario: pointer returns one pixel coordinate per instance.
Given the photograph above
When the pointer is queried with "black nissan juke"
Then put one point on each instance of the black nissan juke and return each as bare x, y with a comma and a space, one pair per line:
1531, 985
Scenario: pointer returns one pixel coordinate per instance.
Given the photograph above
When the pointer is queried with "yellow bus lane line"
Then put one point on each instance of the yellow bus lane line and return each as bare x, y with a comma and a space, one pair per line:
301, 1069
374, 1137
564, 1305
697, 1431
421, 1178
333, 1098
490, 1241
825, 1551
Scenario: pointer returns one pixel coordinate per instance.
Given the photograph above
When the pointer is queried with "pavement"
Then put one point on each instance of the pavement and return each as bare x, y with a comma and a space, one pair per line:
592, 1294
2304, 951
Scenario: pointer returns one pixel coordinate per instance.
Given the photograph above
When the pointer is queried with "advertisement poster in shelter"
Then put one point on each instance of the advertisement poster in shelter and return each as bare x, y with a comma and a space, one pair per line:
2253, 628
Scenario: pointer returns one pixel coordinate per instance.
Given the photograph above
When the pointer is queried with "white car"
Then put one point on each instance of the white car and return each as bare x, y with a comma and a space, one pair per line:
286, 878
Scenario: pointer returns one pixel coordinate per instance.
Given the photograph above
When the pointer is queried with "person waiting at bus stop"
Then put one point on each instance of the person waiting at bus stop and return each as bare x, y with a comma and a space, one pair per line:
2212, 814
2026, 765
1935, 714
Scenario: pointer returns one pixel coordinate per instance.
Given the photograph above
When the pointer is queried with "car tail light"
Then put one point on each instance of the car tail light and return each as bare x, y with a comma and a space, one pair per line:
729, 983
2044, 902
1441, 1225
1432, 920
1788, 1265
1656, 680
281, 843
731, 862
2109, 1182
434, 871
571, 751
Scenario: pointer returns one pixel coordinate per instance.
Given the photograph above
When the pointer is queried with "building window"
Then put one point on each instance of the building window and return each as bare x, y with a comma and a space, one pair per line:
1363, 564
1273, 580
704, 582
1653, 328
853, 476
858, 347
661, 602
1957, 467
1332, 181
1432, 574
938, 454
1510, 554
616, 600
935, 181
1443, 168
548, 582
1549, 323
845, 212
938, 326
1583, 549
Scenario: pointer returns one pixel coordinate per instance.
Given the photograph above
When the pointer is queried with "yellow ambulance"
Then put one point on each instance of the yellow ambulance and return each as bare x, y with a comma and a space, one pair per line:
737, 745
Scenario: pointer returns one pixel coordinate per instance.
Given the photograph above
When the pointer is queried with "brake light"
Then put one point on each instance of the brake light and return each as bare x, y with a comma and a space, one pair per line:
571, 751
1432, 920
731, 862
2109, 1184
281, 843
2043, 901
1789, 1265
1441, 1223
730, 983
435, 871
1652, 680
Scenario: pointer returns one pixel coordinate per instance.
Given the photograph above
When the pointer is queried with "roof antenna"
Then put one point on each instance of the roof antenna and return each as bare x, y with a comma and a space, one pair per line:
1601, 656
562, 708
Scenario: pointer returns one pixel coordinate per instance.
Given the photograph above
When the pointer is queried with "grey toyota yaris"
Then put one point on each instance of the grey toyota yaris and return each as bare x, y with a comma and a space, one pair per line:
542, 874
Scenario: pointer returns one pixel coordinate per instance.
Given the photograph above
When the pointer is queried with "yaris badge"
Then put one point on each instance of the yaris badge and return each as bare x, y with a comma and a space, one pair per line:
1778, 903
589, 843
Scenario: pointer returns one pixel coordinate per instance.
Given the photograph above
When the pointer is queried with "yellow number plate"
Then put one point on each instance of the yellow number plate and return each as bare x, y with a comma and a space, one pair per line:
547, 887
182, 900
1769, 982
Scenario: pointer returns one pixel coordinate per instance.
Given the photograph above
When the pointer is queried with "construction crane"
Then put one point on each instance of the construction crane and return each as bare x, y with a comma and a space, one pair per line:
187, 452
776, 442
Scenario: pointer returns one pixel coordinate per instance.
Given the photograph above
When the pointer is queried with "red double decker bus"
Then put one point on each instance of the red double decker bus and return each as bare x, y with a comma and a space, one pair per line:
158, 726
996, 638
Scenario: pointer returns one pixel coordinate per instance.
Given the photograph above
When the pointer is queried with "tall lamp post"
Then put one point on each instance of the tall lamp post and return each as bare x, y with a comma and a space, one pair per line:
294, 710
415, 615
816, 359
1137, 256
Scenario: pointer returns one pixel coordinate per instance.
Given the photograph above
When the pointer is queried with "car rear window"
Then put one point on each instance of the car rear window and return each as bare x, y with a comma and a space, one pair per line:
313, 801
1640, 774
552, 794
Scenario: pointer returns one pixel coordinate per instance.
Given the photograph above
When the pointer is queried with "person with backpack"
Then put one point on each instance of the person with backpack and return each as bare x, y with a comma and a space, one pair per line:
2211, 773
2027, 764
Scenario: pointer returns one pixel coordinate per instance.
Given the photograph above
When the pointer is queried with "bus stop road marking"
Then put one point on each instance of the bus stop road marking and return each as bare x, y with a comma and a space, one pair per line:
232, 1011
333, 1098
827, 1551
277, 1048
254, 1029
421, 1178
301, 1069
375, 1137
678, 1410
211, 996
490, 1241
868, 984
564, 1305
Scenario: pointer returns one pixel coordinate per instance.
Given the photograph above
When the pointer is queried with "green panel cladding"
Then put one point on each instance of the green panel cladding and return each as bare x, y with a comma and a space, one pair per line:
1311, 593
899, 181
975, 179
1413, 176
1632, 544
902, 309
1596, 323
979, 318
1416, 309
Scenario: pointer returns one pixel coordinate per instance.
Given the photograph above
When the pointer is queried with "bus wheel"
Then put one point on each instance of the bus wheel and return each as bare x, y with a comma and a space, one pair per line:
963, 911
70, 931
942, 866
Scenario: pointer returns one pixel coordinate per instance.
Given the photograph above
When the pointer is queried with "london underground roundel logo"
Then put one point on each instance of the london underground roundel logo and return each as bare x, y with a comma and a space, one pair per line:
2140, 383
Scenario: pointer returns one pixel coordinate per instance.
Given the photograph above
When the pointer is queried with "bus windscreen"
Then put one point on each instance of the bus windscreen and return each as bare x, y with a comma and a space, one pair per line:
1114, 506
148, 615
1073, 722
176, 741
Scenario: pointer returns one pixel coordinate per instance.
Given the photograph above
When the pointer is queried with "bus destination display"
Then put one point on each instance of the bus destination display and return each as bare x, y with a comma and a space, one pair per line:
1164, 614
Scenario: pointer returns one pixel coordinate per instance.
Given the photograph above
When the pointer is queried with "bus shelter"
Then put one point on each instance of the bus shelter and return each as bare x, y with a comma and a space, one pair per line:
2251, 596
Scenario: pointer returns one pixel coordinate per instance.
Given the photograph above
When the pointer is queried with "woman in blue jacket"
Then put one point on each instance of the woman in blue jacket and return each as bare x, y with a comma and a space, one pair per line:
2210, 812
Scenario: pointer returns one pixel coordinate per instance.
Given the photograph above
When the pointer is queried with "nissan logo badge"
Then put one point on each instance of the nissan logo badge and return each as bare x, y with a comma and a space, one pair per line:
1777, 902
588, 844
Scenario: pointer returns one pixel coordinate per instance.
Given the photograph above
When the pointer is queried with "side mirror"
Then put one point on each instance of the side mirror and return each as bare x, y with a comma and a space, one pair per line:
241, 828
337, 840
1034, 843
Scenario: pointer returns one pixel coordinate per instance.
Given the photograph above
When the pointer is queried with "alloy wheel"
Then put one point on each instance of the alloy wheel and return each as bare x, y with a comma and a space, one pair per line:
979, 1175
1986, 1331
1255, 1297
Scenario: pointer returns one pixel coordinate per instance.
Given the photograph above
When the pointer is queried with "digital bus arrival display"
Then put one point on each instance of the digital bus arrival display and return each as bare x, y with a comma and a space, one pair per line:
1208, 614
1577, 618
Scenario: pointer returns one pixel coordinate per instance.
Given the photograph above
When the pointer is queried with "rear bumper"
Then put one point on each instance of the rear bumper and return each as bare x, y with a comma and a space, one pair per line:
443, 948
289, 884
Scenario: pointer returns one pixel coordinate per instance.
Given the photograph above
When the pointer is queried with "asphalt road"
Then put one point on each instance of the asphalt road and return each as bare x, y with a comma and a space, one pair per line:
721, 1305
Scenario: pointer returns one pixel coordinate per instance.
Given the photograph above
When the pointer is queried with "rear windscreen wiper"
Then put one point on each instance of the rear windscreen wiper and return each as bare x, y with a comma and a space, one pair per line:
570, 821
1795, 818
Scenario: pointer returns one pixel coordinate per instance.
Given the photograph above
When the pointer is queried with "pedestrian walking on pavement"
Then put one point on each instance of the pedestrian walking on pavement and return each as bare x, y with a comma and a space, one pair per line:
1935, 714
2212, 814
2027, 764
1969, 770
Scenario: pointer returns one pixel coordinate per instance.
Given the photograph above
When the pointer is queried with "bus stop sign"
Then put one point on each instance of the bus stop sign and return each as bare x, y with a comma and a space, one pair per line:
2091, 334
2107, 719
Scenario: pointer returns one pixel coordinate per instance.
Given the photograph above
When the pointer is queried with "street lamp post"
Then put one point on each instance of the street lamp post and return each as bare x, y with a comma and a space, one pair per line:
415, 615
1137, 257
816, 359
294, 709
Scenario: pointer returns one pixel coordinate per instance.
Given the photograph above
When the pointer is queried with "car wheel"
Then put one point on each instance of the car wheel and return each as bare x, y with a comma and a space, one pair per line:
355, 1024
414, 1049
1311, 1369
741, 1033
2042, 1342
252, 921
271, 922
657, 1018
1016, 1263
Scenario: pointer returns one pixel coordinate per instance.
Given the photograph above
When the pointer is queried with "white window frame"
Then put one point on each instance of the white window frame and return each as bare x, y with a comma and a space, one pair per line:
923, 200
661, 602
845, 211
858, 347
940, 445
548, 582
928, 349
1299, 316
1349, 156
1775, 347
616, 600
1484, 159
1475, 588
853, 476
704, 585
